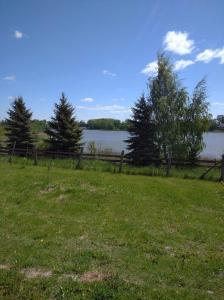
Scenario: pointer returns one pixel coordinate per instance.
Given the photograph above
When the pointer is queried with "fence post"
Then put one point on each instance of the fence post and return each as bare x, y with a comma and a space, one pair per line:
79, 158
222, 169
35, 157
26, 150
208, 170
73, 161
168, 164
121, 161
11, 152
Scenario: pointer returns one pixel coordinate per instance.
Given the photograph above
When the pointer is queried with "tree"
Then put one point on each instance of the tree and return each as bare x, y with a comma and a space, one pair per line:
2, 133
197, 122
169, 102
105, 124
38, 125
175, 123
17, 125
220, 119
124, 125
141, 142
64, 133
82, 124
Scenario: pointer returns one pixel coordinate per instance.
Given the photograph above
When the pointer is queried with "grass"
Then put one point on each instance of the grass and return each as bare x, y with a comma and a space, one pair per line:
190, 172
149, 237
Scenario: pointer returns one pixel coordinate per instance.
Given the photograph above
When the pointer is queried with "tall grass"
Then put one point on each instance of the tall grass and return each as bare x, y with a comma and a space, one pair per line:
191, 172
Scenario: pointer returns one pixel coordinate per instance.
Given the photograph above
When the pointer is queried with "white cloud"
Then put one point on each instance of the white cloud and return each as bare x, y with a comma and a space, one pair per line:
220, 55
150, 69
206, 56
88, 100
209, 54
107, 108
18, 34
11, 98
108, 73
178, 42
9, 78
218, 103
182, 64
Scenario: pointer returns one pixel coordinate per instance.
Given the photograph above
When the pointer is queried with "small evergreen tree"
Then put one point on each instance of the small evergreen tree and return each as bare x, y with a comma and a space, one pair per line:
141, 142
64, 133
17, 125
2, 134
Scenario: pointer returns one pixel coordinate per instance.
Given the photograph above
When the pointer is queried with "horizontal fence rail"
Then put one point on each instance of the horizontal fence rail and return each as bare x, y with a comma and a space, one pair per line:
119, 160
100, 156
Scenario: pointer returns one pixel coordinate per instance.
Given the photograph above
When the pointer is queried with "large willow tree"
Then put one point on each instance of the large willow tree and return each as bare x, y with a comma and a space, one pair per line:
169, 102
180, 119
197, 121
169, 123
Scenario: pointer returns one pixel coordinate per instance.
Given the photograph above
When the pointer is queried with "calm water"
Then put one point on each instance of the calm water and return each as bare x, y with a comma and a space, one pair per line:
114, 140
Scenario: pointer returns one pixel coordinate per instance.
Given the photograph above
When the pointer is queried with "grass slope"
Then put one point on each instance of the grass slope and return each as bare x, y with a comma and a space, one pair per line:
149, 237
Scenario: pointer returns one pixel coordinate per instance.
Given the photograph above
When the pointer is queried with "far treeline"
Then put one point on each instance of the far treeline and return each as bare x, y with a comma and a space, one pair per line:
38, 126
105, 124
166, 124
96, 124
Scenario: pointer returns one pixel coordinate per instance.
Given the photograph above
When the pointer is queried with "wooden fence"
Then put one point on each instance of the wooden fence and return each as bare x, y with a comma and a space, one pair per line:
37, 154
113, 158
60, 154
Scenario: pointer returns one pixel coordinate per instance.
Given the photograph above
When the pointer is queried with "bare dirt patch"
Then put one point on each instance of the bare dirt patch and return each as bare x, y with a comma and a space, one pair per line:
33, 273
61, 198
93, 277
50, 188
87, 277
91, 188
5, 267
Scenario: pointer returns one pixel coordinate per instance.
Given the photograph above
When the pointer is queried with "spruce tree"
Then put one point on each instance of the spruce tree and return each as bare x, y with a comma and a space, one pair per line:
17, 125
64, 133
141, 143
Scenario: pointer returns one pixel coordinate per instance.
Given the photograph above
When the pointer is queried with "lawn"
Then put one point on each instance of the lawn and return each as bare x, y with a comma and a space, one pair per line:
80, 234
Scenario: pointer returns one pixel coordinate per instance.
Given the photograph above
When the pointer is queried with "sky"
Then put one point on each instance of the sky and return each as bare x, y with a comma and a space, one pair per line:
101, 52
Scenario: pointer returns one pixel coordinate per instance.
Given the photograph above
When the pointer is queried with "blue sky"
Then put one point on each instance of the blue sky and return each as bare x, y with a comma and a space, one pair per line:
100, 52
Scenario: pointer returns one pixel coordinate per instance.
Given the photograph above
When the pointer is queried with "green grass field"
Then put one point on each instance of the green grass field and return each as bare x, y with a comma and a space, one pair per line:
69, 234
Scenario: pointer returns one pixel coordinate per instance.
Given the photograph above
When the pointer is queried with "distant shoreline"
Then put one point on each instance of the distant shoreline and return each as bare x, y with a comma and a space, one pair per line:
209, 131
217, 130
84, 128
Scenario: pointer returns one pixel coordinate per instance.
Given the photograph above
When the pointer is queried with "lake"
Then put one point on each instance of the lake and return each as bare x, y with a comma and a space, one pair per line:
114, 140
